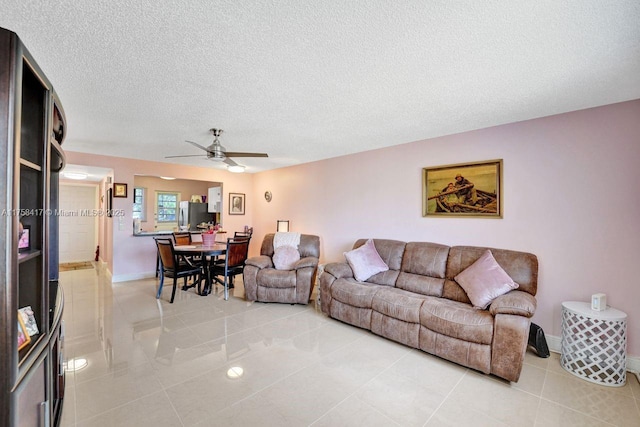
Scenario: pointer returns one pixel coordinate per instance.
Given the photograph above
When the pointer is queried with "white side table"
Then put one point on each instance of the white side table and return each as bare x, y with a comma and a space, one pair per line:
594, 343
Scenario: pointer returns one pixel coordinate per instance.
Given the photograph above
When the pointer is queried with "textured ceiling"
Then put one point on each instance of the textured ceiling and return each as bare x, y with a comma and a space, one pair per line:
308, 80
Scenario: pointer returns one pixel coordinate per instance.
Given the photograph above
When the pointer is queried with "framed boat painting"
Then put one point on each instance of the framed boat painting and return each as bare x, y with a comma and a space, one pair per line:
463, 190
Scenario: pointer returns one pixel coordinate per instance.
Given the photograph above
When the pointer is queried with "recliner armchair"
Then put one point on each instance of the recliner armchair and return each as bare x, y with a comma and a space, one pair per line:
264, 283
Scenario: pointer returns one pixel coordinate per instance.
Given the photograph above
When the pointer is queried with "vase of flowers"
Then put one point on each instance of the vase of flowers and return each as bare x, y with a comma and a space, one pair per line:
209, 236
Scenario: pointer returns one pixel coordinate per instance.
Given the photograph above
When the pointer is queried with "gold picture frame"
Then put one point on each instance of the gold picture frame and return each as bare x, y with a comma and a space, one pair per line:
463, 190
119, 190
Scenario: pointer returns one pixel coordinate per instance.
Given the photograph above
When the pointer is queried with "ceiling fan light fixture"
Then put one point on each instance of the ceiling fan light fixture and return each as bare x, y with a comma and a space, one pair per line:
235, 168
75, 175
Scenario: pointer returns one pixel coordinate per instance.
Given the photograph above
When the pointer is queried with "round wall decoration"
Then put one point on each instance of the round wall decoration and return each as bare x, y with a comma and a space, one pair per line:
267, 196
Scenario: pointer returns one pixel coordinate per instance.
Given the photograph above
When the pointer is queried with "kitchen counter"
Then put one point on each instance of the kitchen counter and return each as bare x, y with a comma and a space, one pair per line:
153, 233
164, 233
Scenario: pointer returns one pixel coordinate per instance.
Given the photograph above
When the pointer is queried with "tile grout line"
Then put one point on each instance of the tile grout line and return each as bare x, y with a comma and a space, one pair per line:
466, 372
363, 385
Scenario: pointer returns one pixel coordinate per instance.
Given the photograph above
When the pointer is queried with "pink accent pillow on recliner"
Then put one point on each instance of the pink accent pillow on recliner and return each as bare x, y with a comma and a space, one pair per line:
285, 257
365, 261
484, 281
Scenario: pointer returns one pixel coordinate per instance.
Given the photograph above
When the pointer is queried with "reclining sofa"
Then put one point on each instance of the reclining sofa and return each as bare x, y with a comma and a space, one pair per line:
418, 303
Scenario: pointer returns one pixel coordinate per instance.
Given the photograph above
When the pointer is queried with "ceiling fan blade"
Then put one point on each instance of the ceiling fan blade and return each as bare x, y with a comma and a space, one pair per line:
198, 145
230, 162
188, 155
236, 154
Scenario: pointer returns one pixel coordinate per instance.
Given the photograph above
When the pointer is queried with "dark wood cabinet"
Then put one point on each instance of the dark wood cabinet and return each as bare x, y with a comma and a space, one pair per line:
32, 126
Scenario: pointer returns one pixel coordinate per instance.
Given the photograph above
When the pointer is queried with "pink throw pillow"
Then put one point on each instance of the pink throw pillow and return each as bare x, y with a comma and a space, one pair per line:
484, 281
285, 257
365, 261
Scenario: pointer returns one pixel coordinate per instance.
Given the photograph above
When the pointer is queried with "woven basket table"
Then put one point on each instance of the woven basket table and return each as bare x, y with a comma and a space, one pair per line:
594, 343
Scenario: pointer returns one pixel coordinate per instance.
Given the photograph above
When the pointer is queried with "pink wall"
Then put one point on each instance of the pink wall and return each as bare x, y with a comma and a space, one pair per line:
570, 197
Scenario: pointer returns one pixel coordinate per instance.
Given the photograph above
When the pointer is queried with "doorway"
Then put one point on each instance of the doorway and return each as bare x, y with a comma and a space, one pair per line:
78, 222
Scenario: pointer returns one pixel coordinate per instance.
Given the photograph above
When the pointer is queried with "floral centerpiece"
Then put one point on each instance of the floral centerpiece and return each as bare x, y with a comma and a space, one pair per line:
209, 236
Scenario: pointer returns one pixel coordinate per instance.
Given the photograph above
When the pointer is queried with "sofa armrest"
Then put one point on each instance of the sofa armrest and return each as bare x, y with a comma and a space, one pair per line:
260, 262
514, 302
306, 262
510, 338
339, 270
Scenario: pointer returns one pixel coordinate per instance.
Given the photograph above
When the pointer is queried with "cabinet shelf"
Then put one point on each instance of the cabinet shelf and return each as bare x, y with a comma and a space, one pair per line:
26, 358
30, 165
28, 255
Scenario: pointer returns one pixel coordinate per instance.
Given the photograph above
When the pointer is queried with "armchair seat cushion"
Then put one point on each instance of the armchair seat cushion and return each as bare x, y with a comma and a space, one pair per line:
272, 278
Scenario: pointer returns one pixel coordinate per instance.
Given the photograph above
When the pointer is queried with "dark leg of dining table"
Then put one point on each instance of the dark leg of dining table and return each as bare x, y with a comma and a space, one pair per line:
207, 283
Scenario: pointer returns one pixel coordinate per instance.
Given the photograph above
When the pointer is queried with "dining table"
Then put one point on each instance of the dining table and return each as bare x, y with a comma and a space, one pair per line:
208, 254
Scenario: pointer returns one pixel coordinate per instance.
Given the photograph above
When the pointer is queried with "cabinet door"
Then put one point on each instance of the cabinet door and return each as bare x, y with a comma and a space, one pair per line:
214, 199
31, 400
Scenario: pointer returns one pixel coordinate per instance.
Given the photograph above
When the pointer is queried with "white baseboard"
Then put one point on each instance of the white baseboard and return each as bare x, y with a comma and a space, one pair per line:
555, 345
134, 276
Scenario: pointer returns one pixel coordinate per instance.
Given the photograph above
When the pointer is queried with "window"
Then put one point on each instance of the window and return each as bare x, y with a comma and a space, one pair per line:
139, 210
167, 206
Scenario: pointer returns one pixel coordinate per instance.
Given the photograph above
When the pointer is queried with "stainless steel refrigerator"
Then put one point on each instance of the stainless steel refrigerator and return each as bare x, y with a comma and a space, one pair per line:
193, 214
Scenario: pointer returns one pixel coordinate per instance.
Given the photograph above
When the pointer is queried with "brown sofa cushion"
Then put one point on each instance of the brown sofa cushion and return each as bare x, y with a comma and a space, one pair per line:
354, 293
456, 319
425, 259
423, 285
398, 304
423, 268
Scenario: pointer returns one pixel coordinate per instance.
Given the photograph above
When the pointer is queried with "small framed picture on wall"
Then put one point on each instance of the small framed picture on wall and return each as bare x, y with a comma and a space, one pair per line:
119, 190
236, 203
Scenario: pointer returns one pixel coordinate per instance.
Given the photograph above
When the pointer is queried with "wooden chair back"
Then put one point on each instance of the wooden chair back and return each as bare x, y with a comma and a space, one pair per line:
237, 251
165, 251
182, 238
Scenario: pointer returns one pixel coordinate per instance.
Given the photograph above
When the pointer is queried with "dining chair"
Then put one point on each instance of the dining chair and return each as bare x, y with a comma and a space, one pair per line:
236, 255
181, 238
196, 236
237, 235
175, 266
242, 235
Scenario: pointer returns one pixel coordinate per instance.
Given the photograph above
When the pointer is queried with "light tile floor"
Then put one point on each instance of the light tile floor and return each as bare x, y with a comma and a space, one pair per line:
151, 363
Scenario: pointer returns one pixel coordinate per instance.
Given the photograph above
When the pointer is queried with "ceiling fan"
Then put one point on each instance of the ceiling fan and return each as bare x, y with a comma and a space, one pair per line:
217, 152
